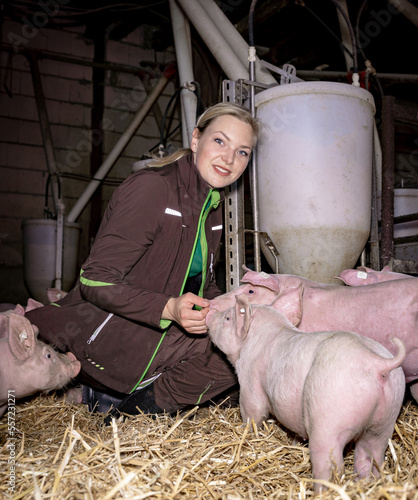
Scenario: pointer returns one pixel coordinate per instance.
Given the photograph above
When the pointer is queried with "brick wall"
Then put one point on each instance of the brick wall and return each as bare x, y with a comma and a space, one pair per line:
67, 88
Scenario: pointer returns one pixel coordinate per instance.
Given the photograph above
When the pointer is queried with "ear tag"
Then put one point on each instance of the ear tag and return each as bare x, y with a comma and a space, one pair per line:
263, 275
23, 336
362, 275
242, 311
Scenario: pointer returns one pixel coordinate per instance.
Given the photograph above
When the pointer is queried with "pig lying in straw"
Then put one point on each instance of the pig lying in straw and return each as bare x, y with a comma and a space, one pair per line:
28, 365
366, 276
376, 311
329, 387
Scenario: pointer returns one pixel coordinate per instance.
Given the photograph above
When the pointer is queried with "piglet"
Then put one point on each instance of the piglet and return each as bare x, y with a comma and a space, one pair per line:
366, 276
28, 365
374, 311
329, 387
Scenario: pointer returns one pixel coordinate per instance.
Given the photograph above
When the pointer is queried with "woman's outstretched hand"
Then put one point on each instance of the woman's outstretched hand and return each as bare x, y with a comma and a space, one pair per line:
180, 309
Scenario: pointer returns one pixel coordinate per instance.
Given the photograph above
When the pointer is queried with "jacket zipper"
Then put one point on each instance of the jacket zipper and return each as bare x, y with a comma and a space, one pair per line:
99, 329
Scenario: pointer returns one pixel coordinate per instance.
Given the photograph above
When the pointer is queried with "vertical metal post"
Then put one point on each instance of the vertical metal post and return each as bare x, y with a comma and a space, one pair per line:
234, 234
253, 171
233, 212
374, 226
388, 178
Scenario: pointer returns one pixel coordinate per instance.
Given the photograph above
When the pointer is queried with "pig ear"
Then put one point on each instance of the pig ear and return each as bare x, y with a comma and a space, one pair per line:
55, 294
4, 326
289, 303
21, 337
243, 309
33, 304
387, 269
19, 310
261, 279
341, 277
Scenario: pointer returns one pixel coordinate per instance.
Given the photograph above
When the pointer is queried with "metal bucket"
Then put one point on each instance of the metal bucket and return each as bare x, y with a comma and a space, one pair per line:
39, 248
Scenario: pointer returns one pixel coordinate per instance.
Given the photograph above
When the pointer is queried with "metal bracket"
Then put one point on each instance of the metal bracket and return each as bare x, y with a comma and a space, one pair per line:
236, 92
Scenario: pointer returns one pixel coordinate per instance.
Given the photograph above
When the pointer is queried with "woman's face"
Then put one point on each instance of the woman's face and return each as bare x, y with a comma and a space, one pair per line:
221, 153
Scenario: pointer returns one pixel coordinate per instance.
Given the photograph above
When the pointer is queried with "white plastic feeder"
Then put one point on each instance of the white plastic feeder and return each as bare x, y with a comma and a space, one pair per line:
314, 175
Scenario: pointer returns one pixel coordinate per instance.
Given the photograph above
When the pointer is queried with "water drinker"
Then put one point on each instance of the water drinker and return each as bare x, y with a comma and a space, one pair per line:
314, 173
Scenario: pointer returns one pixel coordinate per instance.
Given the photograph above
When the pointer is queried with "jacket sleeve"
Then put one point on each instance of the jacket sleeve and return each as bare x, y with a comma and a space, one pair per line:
130, 224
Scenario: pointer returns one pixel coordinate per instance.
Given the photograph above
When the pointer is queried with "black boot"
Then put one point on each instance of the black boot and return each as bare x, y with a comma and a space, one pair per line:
135, 403
100, 402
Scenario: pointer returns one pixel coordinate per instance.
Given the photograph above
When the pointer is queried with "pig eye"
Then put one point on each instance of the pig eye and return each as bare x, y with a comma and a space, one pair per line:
49, 355
251, 291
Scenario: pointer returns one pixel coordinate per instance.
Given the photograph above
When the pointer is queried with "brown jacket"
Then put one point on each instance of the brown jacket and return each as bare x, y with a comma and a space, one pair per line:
111, 320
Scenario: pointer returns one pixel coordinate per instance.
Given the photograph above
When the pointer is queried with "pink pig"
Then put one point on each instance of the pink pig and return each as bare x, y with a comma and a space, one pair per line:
366, 276
330, 387
375, 311
26, 364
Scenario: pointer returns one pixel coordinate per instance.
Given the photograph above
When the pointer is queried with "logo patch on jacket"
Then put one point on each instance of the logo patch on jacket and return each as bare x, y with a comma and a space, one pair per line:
170, 211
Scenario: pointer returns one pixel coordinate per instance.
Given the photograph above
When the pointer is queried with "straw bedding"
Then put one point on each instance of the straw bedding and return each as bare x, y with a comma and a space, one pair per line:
61, 451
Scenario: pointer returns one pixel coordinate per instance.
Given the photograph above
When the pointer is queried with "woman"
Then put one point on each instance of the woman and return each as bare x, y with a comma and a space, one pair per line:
136, 317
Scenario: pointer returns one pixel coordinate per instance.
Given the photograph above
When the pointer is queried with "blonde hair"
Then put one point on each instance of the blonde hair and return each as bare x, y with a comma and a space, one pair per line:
205, 119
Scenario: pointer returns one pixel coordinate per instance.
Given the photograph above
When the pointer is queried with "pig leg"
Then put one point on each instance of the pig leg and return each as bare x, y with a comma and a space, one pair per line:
369, 453
326, 453
253, 406
414, 390
74, 395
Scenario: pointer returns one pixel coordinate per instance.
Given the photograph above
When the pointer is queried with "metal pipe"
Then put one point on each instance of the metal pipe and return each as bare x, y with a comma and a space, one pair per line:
234, 40
345, 35
51, 165
253, 171
388, 174
213, 38
45, 129
59, 248
117, 149
183, 46
407, 9
342, 75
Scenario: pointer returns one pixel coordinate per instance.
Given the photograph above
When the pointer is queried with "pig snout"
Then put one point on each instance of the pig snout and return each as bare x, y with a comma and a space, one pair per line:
255, 293
213, 309
209, 315
75, 365
56, 369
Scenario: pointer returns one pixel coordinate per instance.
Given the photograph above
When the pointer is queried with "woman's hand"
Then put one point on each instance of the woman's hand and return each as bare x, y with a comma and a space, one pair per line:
180, 309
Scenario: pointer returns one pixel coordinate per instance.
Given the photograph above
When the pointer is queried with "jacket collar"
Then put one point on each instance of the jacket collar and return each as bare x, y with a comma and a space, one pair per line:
196, 186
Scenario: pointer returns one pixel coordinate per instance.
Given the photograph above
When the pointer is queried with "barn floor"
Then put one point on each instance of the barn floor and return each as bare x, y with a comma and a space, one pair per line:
61, 451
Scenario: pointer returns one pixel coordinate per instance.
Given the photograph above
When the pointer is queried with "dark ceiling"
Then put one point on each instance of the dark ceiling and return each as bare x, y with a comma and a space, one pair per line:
304, 33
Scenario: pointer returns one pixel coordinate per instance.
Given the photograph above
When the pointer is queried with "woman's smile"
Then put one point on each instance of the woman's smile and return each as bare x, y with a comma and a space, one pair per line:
222, 152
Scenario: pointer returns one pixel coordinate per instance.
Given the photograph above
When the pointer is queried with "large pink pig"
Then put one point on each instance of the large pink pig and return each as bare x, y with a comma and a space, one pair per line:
27, 365
366, 276
330, 387
376, 311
